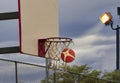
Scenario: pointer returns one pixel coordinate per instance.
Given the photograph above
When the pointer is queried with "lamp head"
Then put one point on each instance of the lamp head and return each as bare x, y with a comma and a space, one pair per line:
106, 18
118, 11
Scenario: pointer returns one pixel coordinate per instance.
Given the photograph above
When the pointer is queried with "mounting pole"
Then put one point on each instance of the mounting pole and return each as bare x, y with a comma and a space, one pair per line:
117, 49
47, 71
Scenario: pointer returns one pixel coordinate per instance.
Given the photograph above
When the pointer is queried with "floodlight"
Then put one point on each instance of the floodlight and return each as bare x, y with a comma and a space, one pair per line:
118, 11
106, 18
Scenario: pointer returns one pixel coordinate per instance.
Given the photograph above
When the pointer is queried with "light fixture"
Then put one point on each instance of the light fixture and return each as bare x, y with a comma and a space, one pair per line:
106, 18
118, 11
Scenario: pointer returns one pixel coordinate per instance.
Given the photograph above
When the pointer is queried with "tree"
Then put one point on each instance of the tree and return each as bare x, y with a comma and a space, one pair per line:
114, 76
76, 74
83, 74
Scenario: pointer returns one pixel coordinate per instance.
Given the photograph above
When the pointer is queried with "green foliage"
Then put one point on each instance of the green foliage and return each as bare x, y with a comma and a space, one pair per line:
79, 69
94, 73
83, 74
114, 75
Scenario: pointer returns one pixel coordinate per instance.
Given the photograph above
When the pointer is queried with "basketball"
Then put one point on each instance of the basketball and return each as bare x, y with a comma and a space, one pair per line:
68, 55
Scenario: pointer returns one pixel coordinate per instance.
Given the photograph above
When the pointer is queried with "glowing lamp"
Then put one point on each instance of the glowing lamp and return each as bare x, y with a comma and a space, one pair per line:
106, 18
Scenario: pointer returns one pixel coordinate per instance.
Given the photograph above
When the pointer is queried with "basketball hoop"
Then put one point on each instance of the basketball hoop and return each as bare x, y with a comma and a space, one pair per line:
52, 49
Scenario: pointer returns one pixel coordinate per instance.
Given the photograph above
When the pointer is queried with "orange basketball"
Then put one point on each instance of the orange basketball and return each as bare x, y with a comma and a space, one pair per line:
68, 55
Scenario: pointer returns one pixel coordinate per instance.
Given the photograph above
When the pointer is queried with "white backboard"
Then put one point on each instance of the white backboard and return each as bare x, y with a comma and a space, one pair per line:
38, 19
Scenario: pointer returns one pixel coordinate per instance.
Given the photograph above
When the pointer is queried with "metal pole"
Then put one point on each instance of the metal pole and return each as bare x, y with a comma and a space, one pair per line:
117, 48
16, 73
47, 72
117, 45
54, 76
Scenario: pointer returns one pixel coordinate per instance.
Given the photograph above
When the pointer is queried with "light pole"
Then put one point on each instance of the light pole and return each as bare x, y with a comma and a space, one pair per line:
106, 18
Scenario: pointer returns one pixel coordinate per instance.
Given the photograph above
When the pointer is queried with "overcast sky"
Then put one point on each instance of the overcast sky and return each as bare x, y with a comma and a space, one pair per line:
94, 43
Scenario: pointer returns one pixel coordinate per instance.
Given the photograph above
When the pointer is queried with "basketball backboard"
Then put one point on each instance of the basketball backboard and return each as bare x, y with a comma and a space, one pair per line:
38, 19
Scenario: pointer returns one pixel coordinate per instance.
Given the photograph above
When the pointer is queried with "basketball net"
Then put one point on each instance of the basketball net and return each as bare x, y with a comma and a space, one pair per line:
54, 47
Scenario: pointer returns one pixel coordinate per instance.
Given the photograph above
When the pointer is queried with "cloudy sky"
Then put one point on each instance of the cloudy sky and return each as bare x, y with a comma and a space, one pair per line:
94, 43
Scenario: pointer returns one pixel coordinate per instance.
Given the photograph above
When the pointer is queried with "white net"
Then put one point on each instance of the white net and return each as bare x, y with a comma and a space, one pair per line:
54, 47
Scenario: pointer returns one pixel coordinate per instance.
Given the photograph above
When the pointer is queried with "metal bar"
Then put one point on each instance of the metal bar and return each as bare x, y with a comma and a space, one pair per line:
54, 76
37, 65
16, 72
47, 71
6, 50
8, 15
